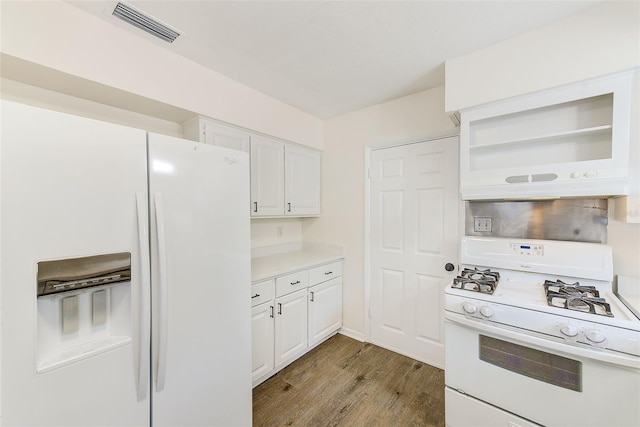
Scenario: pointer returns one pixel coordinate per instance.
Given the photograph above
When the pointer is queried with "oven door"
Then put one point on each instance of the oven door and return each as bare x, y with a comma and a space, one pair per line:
539, 379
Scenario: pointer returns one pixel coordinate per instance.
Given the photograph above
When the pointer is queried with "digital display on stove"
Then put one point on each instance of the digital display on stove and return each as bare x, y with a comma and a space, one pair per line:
536, 250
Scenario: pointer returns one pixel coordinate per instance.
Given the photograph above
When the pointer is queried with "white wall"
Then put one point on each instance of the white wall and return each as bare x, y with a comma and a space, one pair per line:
275, 231
410, 118
44, 98
64, 38
599, 41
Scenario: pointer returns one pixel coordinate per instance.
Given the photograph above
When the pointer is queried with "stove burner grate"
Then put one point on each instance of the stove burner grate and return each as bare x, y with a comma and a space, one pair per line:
476, 280
573, 296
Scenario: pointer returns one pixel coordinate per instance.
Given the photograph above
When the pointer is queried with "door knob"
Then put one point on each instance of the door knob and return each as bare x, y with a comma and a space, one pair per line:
449, 267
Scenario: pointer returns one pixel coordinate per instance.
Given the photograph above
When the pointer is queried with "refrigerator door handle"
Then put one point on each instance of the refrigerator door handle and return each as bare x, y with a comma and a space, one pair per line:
163, 303
143, 292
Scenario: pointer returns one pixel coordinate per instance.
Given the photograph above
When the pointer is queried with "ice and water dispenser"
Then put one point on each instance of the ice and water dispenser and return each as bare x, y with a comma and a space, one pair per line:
84, 308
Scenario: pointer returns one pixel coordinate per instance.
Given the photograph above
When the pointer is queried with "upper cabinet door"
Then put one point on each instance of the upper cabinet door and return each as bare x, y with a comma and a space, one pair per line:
210, 132
267, 177
302, 181
224, 136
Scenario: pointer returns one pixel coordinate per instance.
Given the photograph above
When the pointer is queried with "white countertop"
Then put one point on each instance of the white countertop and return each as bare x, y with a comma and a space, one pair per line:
271, 261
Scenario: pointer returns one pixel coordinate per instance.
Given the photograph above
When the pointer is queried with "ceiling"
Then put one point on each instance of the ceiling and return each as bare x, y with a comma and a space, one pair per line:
332, 57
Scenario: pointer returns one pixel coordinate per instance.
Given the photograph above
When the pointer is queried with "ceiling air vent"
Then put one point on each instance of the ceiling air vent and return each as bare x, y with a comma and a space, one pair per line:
144, 22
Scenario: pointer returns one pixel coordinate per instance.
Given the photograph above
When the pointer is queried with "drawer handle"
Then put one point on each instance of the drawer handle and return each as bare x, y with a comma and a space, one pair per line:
271, 307
279, 308
328, 272
295, 283
289, 207
255, 296
312, 296
255, 206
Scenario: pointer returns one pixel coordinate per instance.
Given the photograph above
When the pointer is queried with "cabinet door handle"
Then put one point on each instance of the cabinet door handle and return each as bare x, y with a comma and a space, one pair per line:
271, 315
328, 272
255, 206
295, 283
312, 296
289, 207
279, 308
255, 296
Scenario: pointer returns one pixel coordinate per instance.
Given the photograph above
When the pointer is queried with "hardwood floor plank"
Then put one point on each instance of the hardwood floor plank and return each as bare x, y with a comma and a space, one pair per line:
344, 382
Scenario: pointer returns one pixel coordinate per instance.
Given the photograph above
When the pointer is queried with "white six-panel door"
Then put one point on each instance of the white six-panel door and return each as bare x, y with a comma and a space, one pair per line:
414, 234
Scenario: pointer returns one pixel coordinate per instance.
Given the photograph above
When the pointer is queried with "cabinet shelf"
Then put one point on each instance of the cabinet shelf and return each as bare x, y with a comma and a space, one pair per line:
578, 133
545, 138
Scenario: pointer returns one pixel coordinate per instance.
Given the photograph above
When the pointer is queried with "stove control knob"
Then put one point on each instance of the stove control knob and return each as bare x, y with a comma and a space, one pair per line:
486, 311
469, 308
595, 336
568, 330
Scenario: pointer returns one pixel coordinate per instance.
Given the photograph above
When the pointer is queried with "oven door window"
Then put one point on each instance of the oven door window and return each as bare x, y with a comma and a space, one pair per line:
550, 368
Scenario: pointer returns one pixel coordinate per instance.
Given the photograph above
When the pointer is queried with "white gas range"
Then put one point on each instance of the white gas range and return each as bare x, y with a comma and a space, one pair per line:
536, 336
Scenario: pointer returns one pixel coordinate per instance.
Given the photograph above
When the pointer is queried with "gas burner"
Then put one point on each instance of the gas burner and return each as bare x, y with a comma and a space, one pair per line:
483, 281
573, 296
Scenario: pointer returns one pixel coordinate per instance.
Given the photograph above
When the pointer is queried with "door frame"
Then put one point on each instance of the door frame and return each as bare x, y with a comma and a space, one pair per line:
368, 149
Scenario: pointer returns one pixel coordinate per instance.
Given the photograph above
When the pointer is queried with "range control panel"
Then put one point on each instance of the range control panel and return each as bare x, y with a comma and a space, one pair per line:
526, 249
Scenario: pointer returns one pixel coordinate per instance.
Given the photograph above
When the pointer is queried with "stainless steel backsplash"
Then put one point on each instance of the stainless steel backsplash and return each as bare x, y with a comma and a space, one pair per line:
577, 220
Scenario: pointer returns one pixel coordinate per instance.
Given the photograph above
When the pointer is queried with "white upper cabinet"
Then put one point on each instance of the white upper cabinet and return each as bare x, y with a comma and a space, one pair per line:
285, 179
565, 142
209, 132
302, 181
267, 177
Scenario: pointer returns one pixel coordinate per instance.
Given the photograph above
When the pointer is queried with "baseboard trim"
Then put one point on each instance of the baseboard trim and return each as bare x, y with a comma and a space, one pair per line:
352, 334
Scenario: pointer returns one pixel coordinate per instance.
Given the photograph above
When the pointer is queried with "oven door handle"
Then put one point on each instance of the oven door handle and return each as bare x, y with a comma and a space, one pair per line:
529, 338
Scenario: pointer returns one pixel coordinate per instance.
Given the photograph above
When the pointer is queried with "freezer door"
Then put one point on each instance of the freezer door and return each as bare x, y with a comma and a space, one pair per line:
200, 284
69, 188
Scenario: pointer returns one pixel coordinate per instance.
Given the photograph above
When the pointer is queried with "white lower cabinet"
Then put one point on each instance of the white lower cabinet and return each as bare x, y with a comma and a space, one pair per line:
262, 332
291, 326
293, 313
325, 310
262, 317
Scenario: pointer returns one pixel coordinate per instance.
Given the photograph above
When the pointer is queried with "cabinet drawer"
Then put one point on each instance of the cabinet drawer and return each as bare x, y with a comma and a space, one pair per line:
261, 292
291, 282
325, 272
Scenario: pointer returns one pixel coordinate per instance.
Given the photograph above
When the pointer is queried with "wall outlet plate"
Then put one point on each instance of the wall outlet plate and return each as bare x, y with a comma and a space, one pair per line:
482, 224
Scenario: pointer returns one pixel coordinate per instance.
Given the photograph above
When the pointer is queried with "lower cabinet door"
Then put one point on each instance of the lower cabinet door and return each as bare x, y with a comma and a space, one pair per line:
262, 323
325, 309
291, 326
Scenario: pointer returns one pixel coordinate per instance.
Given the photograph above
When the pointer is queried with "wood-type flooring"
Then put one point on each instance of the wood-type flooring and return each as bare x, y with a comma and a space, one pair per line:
344, 382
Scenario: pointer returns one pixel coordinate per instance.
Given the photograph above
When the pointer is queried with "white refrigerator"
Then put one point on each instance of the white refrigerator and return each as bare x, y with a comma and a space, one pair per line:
125, 276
